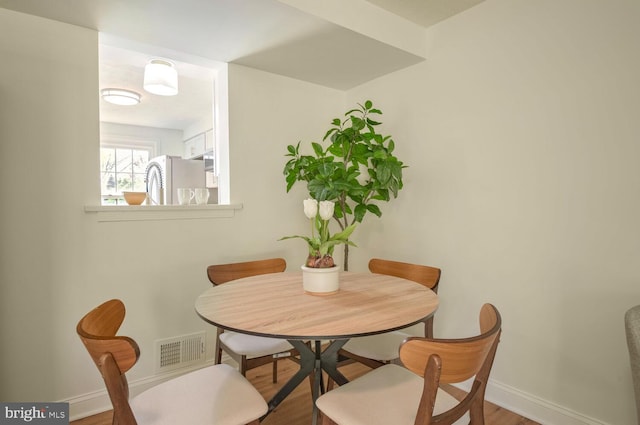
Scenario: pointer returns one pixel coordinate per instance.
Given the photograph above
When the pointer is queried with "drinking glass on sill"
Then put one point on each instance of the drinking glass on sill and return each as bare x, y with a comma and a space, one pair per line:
185, 195
202, 195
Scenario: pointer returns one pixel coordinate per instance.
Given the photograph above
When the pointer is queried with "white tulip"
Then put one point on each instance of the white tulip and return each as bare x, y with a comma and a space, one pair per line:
310, 207
326, 209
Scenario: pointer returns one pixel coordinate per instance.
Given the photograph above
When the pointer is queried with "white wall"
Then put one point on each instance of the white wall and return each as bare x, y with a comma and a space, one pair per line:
268, 112
200, 126
167, 141
521, 132
49, 151
58, 262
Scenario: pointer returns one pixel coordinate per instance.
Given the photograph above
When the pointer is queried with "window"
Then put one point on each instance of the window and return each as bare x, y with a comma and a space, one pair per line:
131, 135
122, 169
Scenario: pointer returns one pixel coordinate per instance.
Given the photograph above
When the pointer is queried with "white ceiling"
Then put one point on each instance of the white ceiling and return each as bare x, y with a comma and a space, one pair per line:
124, 68
286, 37
425, 12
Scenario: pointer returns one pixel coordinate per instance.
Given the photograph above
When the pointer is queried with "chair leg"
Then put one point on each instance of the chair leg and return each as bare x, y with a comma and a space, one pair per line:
243, 366
274, 378
330, 383
428, 328
218, 347
476, 411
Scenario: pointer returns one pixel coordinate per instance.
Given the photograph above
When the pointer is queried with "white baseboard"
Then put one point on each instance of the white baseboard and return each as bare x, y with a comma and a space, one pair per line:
533, 407
88, 404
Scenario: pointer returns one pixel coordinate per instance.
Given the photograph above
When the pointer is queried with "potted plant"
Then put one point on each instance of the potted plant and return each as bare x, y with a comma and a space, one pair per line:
320, 273
355, 171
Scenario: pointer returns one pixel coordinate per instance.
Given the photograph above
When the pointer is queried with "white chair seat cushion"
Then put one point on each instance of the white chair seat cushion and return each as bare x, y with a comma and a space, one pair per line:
387, 395
215, 395
383, 347
253, 346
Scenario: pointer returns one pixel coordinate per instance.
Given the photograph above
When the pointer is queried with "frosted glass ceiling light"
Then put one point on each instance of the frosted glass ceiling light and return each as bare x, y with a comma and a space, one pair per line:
120, 96
161, 77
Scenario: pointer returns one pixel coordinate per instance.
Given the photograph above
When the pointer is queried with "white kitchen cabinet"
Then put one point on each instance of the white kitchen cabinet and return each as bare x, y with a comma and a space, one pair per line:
194, 147
208, 141
198, 146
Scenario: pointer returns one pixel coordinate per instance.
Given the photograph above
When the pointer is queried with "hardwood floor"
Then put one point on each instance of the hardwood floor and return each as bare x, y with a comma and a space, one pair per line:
296, 409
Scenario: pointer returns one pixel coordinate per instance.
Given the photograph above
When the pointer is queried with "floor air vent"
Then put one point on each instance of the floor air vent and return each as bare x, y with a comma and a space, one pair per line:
180, 351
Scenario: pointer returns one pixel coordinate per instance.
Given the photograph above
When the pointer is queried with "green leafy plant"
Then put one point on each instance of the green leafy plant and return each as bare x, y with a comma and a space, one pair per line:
357, 170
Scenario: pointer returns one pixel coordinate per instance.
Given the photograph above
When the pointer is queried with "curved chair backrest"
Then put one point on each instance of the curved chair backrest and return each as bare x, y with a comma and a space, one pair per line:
461, 358
425, 275
97, 330
113, 355
632, 328
455, 360
222, 273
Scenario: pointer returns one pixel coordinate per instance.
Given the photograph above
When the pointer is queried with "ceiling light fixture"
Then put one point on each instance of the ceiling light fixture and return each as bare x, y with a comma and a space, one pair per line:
161, 77
120, 96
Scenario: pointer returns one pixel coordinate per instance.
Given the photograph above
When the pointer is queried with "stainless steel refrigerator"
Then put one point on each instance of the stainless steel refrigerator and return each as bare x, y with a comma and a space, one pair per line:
165, 174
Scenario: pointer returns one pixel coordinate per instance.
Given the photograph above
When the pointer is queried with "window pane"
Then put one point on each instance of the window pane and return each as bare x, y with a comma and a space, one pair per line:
122, 168
138, 183
109, 201
107, 183
107, 159
124, 183
140, 160
123, 157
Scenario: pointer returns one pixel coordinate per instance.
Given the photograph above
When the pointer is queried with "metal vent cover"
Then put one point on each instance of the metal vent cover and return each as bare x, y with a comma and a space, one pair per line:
180, 351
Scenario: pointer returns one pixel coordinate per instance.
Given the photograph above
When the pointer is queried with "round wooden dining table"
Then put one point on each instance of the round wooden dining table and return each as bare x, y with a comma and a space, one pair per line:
275, 305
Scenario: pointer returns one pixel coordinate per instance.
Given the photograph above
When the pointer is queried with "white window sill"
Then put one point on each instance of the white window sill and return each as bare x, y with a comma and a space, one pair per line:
160, 212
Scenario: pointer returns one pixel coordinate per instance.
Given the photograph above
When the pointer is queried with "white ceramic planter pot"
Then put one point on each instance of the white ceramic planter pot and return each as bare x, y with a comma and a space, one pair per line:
320, 281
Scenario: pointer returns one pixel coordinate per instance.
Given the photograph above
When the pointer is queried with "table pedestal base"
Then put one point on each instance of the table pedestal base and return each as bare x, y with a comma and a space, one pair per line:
312, 363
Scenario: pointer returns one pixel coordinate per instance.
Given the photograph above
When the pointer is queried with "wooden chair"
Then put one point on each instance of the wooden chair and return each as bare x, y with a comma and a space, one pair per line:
249, 351
212, 395
410, 395
632, 329
376, 350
